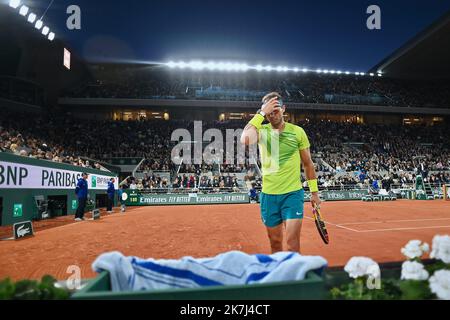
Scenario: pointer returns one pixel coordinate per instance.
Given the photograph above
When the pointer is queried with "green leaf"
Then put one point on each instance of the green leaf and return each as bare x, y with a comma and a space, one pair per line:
32, 290
438, 265
415, 290
357, 290
7, 289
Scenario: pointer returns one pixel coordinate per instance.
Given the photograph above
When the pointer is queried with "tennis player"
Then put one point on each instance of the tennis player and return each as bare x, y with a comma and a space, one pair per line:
283, 148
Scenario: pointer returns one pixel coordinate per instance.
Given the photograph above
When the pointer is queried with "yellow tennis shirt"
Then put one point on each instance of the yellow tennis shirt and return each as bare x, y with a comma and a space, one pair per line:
280, 158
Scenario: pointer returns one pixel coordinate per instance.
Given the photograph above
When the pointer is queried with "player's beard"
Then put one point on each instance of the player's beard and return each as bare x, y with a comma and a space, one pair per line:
276, 122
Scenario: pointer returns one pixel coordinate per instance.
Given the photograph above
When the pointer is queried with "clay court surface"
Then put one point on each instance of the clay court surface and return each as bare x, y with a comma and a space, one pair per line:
374, 229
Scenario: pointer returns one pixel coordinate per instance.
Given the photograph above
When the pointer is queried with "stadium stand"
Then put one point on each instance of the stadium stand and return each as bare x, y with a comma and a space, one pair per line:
348, 155
144, 83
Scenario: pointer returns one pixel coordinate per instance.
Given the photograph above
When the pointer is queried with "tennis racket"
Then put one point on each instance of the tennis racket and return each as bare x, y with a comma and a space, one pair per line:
320, 224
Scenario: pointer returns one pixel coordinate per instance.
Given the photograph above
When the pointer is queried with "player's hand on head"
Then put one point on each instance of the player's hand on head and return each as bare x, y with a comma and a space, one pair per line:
268, 106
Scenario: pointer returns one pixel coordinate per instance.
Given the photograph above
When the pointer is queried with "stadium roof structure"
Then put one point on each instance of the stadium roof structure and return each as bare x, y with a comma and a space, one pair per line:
426, 56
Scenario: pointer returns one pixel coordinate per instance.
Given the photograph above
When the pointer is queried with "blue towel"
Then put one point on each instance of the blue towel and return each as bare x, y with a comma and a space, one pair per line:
230, 268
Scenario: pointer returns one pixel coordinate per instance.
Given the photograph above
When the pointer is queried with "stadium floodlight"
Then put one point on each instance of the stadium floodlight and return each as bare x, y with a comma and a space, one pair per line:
227, 66
31, 18
379, 74
51, 36
233, 66
196, 65
207, 65
39, 24
230, 66
241, 67
45, 30
171, 64
224, 66
23, 11
245, 67
221, 66
210, 65
14, 3
371, 74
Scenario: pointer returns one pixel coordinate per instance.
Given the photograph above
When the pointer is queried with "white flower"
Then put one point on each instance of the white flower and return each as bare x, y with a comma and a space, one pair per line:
415, 249
440, 284
362, 266
441, 248
412, 270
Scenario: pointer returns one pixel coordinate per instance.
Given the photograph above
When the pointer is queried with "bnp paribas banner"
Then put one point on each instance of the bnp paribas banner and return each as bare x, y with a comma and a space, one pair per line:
25, 176
133, 198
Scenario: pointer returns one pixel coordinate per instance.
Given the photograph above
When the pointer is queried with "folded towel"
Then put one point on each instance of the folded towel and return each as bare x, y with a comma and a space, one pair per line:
230, 268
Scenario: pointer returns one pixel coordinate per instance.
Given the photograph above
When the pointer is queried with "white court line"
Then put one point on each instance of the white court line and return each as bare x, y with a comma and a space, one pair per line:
412, 220
336, 225
388, 229
400, 229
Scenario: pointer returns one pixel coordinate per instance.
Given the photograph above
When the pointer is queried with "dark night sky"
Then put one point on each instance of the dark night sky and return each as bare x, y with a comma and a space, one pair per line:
315, 34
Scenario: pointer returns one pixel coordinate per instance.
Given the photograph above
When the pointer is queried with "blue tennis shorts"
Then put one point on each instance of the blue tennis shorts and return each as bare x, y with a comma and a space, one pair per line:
276, 208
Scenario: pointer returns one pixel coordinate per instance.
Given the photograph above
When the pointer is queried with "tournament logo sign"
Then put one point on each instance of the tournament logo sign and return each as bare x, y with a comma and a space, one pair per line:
23, 229
17, 210
94, 182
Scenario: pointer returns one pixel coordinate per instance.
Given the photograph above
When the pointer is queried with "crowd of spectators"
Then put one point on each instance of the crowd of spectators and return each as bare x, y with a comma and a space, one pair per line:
361, 180
350, 147
158, 83
27, 143
207, 183
346, 154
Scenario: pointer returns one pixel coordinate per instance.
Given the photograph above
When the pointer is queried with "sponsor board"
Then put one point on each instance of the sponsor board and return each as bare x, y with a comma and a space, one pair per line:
23, 229
137, 199
25, 176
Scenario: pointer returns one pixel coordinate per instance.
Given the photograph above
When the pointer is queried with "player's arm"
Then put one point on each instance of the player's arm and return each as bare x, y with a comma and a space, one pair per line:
250, 134
308, 164
310, 172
